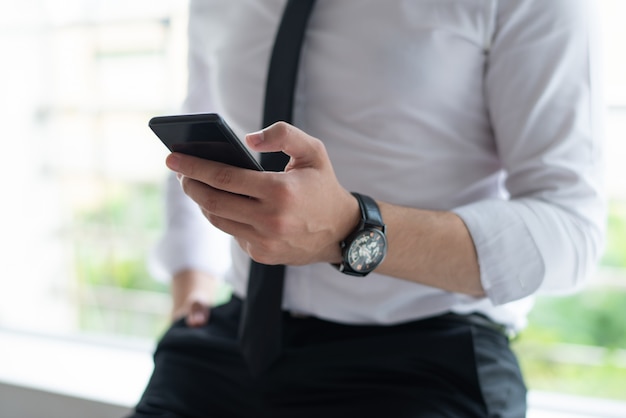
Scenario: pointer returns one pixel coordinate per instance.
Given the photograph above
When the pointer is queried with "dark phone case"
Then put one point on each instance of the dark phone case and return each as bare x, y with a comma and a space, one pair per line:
203, 135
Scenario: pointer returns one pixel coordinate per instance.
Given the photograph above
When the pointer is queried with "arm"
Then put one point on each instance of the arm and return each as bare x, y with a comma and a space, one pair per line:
300, 216
544, 98
543, 92
431, 248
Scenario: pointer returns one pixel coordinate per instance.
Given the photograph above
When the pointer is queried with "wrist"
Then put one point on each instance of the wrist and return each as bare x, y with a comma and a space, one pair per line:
364, 249
191, 285
348, 219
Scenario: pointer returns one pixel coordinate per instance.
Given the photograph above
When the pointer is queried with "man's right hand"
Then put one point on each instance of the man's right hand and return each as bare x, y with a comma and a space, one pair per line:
192, 296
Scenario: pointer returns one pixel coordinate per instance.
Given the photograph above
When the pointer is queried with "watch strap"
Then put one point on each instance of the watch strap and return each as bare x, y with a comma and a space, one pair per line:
370, 212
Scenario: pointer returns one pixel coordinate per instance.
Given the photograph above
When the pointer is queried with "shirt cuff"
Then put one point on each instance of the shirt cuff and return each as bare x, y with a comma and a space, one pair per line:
511, 266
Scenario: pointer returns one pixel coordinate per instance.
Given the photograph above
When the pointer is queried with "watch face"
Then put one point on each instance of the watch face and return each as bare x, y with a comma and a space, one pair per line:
366, 251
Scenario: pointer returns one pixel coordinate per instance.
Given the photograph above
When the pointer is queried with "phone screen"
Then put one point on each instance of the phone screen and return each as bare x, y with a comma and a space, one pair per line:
205, 136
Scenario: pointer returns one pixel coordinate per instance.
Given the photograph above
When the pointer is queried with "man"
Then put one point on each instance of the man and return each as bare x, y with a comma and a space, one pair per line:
473, 125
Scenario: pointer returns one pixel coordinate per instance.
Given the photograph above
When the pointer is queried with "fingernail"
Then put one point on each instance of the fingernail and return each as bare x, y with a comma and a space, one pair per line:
199, 317
255, 138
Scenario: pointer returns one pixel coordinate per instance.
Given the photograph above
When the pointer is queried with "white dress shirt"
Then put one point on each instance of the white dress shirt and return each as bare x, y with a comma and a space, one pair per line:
488, 108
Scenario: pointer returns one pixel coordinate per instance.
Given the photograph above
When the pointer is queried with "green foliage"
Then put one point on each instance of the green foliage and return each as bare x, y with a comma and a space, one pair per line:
101, 320
105, 267
593, 317
615, 254
135, 206
603, 381
111, 243
113, 240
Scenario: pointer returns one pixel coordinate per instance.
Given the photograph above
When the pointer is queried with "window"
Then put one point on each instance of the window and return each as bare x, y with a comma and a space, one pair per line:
83, 175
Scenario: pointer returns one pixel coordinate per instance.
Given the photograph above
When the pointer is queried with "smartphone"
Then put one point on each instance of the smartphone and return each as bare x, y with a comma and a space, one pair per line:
204, 135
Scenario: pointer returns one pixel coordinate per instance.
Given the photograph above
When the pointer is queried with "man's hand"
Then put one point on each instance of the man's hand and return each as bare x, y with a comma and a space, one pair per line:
294, 217
192, 294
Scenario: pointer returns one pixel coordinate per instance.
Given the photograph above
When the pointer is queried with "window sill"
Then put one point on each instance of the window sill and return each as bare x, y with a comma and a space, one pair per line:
101, 372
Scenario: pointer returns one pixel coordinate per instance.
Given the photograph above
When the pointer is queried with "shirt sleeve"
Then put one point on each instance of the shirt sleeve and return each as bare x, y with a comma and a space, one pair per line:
544, 101
189, 241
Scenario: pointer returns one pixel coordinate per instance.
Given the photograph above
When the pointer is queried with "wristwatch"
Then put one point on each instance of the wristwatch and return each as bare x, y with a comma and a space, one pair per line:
365, 248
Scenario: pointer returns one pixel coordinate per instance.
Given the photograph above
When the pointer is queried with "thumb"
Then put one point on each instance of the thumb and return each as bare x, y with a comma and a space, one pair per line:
303, 149
198, 314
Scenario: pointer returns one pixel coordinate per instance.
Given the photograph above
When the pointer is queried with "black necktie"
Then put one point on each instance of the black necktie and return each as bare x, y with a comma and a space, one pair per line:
261, 322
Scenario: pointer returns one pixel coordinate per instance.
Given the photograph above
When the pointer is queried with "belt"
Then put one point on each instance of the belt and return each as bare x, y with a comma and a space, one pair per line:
474, 318
479, 320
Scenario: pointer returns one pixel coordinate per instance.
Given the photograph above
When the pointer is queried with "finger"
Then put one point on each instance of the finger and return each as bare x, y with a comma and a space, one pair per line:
234, 228
217, 175
198, 314
218, 205
303, 149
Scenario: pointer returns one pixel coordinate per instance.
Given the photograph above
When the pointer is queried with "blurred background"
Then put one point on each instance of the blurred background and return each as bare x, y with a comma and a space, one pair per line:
82, 176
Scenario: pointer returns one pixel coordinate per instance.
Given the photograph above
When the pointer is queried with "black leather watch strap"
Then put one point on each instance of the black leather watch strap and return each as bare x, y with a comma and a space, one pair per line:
370, 212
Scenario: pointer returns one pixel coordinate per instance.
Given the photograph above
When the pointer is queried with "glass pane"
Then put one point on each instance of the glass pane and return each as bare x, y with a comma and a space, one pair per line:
82, 181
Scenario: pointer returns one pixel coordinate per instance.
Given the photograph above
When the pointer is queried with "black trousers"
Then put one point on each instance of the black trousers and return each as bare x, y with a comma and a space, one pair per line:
437, 367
